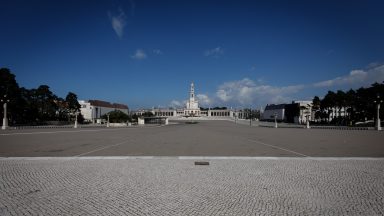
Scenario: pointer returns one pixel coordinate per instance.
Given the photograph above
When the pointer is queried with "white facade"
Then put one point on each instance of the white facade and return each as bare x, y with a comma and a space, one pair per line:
302, 111
274, 110
92, 110
192, 105
192, 109
305, 111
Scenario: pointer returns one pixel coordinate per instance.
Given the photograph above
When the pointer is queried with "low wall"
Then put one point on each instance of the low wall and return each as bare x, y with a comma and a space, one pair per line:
117, 124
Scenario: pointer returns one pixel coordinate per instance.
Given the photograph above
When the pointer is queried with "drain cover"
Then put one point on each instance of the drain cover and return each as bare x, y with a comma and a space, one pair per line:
201, 163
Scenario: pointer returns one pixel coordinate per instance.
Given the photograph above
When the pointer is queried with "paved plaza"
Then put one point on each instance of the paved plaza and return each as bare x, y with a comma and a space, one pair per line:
94, 186
207, 138
151, 171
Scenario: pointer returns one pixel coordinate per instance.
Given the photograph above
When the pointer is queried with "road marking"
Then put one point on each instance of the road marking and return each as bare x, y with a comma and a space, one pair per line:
259, 142
101, 148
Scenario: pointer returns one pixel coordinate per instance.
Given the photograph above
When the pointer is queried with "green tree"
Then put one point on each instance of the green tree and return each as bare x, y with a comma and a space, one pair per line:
327, 104
30, 110
9, 90
62, 110
116, 116
72, 102
316, 107
45, 103
340, 102
350, 98
30, 106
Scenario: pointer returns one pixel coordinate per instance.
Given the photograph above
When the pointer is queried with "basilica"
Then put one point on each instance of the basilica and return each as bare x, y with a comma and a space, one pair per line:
193, 110
192, 106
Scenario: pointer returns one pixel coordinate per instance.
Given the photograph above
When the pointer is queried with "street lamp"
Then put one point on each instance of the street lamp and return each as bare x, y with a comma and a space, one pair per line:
275, 115
307, 126
235, 116
378, 123
76, 113
108, 120
5, 118
308, 114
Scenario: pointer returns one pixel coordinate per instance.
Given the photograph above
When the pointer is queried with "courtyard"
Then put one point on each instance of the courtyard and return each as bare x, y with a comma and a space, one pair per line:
206, 138
150, 171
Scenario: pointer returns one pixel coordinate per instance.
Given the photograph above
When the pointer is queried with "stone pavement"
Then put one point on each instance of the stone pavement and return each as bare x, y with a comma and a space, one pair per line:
207, 138
174, 186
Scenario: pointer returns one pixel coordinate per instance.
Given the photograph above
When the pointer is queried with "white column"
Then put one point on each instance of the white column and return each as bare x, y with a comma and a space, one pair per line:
275, 120
5, 118
378, 123
75, 121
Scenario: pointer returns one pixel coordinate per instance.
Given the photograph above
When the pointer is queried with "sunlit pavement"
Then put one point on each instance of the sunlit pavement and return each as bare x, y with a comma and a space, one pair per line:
175, 186
151, 171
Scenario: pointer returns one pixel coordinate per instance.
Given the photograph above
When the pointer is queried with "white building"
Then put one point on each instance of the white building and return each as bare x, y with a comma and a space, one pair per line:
192, 106
296, 112
305, 111
192, 109
273, 110
92, 110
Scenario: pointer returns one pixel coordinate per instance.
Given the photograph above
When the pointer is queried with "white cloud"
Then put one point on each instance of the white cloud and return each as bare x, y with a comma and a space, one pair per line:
176, 104
248, 92
215, 52
139, 55
157, 52
118, 22
374, 73
204, 100
354, 76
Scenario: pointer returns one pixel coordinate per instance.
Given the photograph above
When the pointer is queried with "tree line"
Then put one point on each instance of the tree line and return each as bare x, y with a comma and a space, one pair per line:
35, 106
347, 108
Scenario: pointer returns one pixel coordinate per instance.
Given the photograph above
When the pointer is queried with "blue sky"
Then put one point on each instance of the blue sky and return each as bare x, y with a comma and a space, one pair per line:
238, 53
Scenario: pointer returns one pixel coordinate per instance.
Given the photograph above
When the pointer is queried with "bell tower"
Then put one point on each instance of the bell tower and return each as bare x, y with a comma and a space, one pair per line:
192, 93
192, 106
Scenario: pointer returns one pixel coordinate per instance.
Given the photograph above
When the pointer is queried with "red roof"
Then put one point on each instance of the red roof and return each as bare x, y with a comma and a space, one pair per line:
107, 104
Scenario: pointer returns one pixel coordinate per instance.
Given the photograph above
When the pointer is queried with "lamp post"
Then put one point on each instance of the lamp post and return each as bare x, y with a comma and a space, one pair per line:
235, 116
308, 114
378, 123
250, 117
275, 115
108, 120
307, 126
5, 118
76, 119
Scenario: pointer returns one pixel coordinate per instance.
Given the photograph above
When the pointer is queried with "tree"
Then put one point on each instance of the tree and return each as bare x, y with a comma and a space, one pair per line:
9, 90
31, 106
340, 101
316, 107
45, 103
357, 105
72, 102
116, 116
350, 98
327, 104
62, 110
